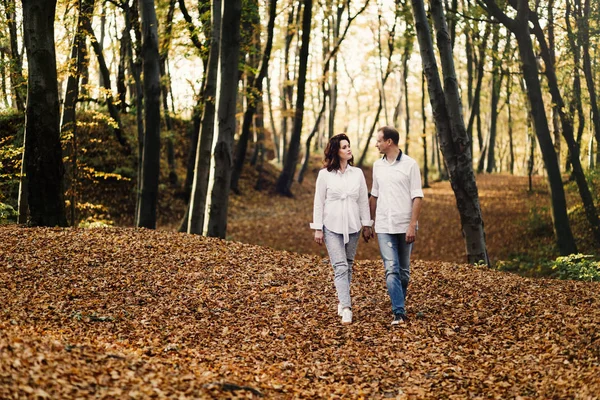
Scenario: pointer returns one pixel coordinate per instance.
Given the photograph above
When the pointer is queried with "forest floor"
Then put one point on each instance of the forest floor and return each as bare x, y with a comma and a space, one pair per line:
136, 313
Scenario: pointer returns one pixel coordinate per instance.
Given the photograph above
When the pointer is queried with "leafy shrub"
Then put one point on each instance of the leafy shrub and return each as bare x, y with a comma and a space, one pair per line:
578, 267
7, 214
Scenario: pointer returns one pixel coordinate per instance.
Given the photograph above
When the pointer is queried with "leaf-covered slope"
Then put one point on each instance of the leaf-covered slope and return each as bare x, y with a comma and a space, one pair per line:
121, 312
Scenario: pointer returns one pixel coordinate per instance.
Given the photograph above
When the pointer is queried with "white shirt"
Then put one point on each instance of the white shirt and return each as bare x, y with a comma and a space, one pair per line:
395, 185
341, 201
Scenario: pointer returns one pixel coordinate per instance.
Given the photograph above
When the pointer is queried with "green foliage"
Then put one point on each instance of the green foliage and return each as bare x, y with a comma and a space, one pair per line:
579, 267
7, 214
539, 223
11, 150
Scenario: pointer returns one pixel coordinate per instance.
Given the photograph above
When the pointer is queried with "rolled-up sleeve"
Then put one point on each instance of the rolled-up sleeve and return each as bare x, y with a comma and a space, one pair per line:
416, 189
319, 202
375, 188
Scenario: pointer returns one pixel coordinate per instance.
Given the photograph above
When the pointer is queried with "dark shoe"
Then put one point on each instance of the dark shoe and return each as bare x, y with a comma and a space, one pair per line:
399, 319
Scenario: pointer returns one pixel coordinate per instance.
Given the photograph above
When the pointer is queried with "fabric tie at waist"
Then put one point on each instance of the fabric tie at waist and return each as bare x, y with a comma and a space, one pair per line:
343, 197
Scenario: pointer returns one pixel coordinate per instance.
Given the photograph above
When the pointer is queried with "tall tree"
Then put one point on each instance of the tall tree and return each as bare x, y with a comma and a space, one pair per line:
43, 154
255, 93
447, 113
567, 129
584, 32
17, 81
151, 159
519, 26
286, 177
223, 152
194, 221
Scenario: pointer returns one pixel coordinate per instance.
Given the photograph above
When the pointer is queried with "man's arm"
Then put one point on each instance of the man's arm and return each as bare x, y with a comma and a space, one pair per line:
369, 233
411, 232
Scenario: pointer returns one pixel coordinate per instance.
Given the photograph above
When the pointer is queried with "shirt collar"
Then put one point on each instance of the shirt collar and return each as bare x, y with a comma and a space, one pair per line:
397, 158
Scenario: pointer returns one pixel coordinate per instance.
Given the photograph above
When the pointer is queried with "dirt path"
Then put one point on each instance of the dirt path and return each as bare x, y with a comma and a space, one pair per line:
283, 223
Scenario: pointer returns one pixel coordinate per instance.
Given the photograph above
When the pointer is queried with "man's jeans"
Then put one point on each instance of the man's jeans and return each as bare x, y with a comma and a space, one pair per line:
341, 257
395, 253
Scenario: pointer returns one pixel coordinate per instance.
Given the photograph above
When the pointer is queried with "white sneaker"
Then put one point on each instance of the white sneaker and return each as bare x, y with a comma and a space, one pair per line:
340, 309
346, 316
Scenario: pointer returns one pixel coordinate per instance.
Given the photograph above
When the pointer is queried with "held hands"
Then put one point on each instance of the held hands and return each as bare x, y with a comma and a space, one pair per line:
367, 233
319, 237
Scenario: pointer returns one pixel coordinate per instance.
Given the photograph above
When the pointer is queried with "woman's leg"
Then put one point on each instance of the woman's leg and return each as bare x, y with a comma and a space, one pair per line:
338, 258
350, 253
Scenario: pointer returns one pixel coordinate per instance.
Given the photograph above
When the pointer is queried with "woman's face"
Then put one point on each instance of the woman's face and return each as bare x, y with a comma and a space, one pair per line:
345, 153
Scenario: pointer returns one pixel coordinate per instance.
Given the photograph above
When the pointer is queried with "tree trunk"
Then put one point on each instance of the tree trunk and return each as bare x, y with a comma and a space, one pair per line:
584, 32
255, 93
43, 154
576, 103
165, 89
286, 178
287, 89
151, 157
17, 81
202, 165
105, 73
223, 153
496, 87
567, 130
520, 28
476, 101
424, 133
447, 112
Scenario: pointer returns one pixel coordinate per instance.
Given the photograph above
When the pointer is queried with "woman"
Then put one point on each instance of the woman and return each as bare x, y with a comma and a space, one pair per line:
341, 209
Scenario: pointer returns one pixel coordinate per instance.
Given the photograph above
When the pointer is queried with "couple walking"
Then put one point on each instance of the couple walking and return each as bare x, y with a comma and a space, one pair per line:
343, 206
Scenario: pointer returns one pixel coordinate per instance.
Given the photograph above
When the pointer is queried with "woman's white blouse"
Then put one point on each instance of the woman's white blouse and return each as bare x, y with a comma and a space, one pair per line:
341, 202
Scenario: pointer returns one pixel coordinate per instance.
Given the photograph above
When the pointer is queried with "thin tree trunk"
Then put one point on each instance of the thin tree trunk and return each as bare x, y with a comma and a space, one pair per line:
567, 130
105, 73
450, 127
584, 31
43, 154
165, 90
286, 178
197, 204
520, 27
511, 145
17, 81
223, 153
255, 91
146, 217
424, 133
496, 88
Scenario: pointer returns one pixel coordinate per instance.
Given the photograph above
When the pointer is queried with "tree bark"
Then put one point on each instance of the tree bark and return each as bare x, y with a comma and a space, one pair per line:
255, 93
452, 134
151, 157
567, 130
43, 154
202, 165
520, 27
496, 87
17, 81
286, 178
223, 153
584, 31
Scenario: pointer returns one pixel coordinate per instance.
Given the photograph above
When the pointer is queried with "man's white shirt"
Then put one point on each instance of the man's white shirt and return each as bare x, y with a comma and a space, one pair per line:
395, 185
341, 201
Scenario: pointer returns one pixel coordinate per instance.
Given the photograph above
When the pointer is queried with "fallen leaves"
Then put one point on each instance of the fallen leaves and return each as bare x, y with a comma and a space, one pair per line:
137, 313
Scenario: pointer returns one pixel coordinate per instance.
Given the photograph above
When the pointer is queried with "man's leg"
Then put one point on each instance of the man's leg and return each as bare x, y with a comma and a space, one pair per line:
388, 247
404, 251
337, 256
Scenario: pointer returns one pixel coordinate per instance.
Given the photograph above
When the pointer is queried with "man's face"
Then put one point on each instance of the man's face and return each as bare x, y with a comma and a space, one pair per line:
382, 144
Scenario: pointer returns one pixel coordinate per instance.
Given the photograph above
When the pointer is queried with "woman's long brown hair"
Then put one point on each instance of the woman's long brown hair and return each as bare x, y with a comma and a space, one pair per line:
332, 157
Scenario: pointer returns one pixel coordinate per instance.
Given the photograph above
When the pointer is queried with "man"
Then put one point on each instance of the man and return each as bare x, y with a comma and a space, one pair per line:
395, 204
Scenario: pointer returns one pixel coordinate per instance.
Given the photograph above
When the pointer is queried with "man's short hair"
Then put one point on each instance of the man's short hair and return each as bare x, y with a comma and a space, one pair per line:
389, 132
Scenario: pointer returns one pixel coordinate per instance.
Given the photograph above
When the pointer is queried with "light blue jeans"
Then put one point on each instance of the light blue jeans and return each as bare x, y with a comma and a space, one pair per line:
395, 253
341, 257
